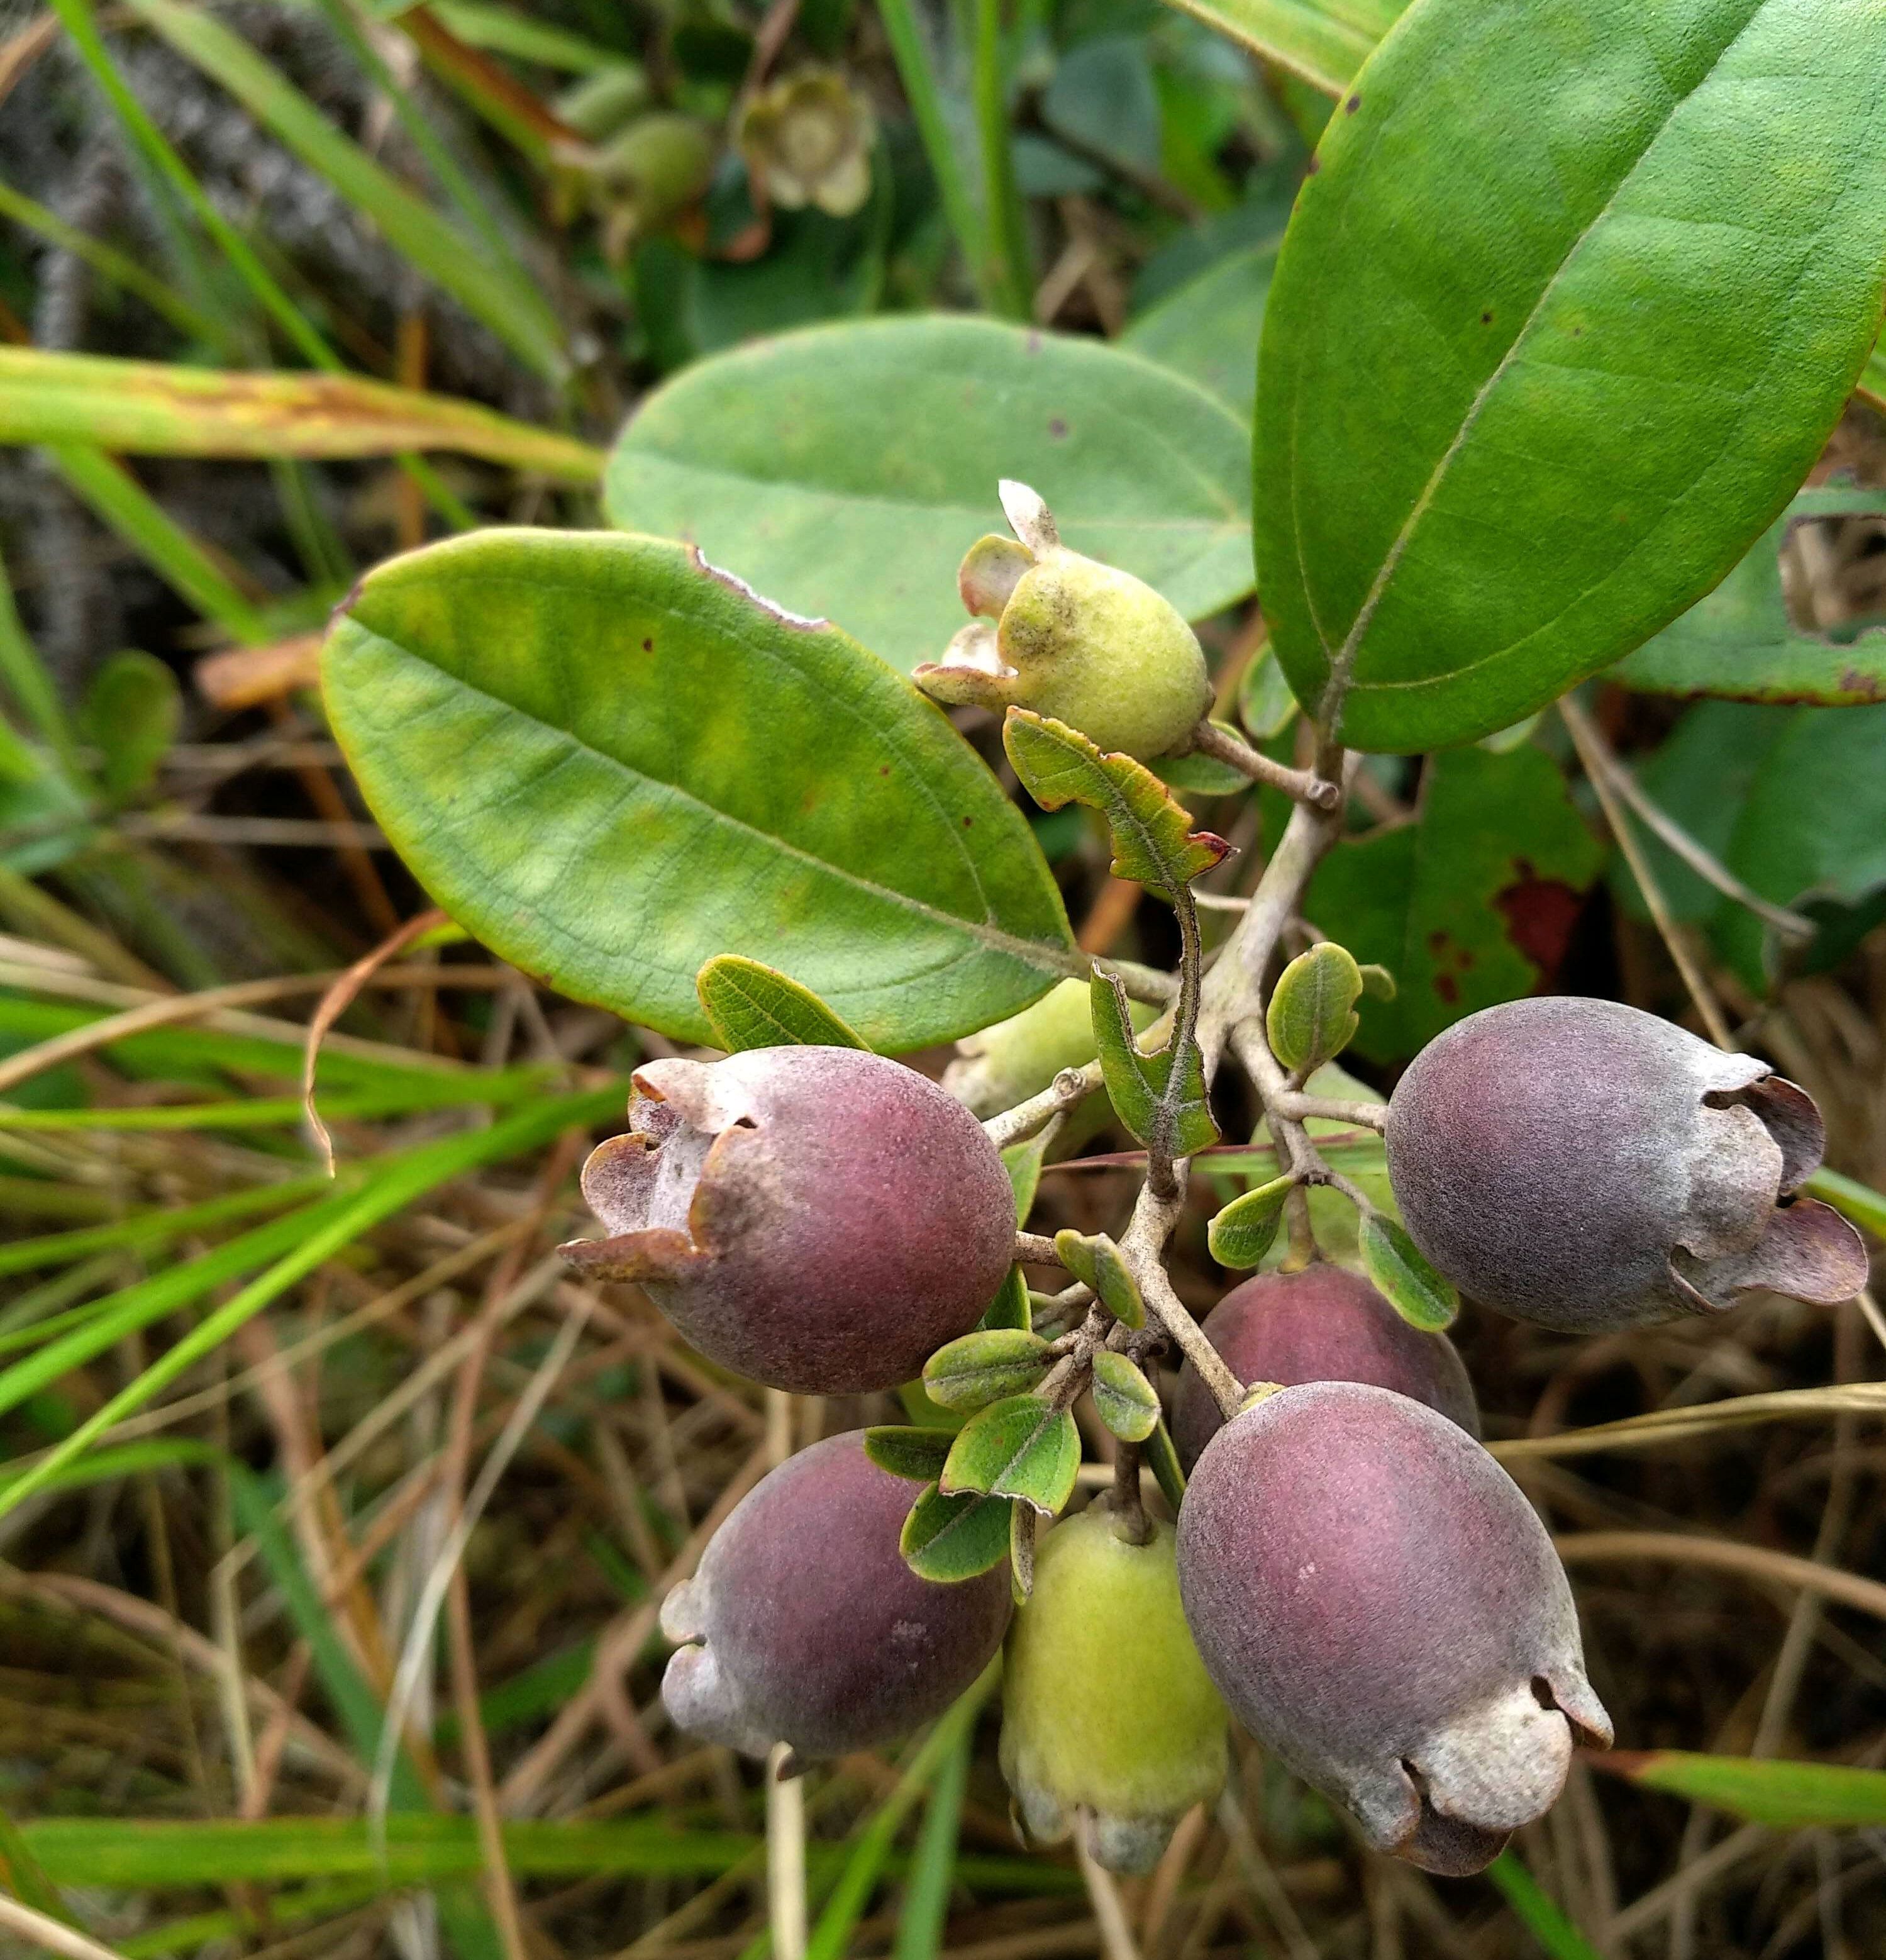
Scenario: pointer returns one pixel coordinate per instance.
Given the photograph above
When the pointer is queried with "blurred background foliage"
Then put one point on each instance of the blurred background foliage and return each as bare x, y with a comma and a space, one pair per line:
391, 273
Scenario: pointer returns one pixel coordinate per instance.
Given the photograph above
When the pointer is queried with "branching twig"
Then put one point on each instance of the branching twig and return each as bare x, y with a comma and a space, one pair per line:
1304, 785
1070, 1086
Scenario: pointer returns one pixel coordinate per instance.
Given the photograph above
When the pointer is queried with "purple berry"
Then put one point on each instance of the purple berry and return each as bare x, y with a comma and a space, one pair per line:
817, 1219
1321, 1325
804, 1625
1588, 1166
1381, 1607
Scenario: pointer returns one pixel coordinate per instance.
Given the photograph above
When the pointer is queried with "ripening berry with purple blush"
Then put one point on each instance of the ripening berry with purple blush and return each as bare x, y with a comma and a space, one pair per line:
1323, 1324
804, 1625
1381, 1607
1585, 1166
817, 1219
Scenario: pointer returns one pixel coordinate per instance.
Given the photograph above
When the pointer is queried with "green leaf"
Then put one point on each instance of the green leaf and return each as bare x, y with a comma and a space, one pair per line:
984, 1367
918, 1454
1398, 1271
1136, 1081
131, 715
148, 408
1468, 906
1786, 1796
1154, 844
1011, 1307
1023, 1163
1740, 644
1128, 1404
1208, 329
1662, 278
1324, 41
1243, 1231
610, 763
1266, 706
950, 1538
1311, 1018
845, 470
749, 1005
1020, 1447
1094, 1259
1793, 800
1162, 1457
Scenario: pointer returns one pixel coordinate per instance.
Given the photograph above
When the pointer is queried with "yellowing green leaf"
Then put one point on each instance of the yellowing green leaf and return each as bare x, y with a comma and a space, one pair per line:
1127, 1402
1398, 1271
1243, 1231
1311, 1018
983, 1368
749, 1005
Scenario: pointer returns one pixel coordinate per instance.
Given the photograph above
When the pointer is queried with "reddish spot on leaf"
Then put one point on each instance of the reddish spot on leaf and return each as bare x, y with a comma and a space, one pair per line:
1352, 105
1056, 427
1448, 987
1540, 914
648, 646
884, 768
1316, 163
967, 822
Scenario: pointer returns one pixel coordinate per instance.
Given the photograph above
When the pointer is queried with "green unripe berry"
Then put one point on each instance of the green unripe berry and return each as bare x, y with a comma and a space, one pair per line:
1075, 640
1106, 1707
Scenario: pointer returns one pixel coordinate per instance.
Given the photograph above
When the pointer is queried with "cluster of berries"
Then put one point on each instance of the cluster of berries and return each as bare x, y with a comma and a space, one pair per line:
1351, 1572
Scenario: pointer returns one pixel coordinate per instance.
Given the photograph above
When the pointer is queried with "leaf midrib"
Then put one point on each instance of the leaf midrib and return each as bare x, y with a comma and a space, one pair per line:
1038, 953
1342, 662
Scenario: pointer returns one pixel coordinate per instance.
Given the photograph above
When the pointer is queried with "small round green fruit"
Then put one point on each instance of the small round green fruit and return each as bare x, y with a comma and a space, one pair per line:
1106, 1707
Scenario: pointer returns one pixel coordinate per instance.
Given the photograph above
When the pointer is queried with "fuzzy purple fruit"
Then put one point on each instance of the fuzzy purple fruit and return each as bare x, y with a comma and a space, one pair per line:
1584, 1166
804, 1625
1381, 1607
817, 1219
1321, 1325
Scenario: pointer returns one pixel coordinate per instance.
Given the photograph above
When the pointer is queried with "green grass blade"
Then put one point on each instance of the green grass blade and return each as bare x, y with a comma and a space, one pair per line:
1556, 1934
144, 1231
166, 1855
118, 267
1860, 1202
394, 1184
24, 673
131, 1459
503, 31
117, 497
506, 302
20, 1874
865, 1866
919, 1924
1784, 1796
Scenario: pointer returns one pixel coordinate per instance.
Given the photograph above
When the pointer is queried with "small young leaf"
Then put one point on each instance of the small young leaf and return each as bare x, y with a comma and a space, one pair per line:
1023, 1163
1311, 1016
1243, 1232
950, 1538
1096, 1260
1136, 1081
983, 1368
1011, 1307
1398, 1270
1021, 1447
748, 1005
1162, 1457
131, 715
1021, 1552
918, 1454
1153, 842
1128, 1404
1377, 981
1266, 705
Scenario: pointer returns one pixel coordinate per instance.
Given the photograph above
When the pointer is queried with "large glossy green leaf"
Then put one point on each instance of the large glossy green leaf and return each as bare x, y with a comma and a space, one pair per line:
1740, 643
612, 764
844, 470
1325, 41
1567, 309
1793, 800
1467, 905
